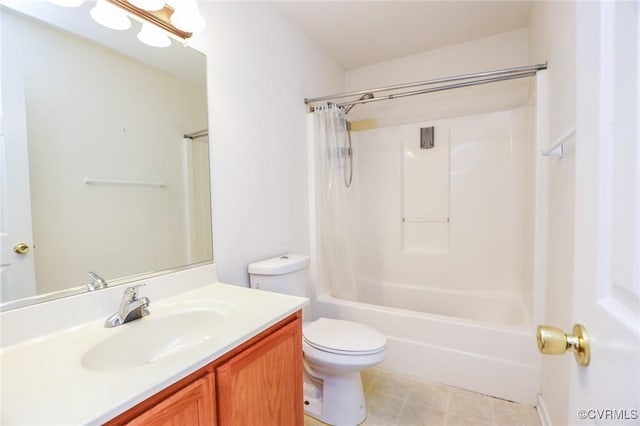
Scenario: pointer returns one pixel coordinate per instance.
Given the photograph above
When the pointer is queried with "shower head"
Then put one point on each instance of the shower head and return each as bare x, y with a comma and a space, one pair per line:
362, 98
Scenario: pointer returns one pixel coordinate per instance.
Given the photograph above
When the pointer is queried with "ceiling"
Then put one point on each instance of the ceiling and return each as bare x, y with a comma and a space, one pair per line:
360, 33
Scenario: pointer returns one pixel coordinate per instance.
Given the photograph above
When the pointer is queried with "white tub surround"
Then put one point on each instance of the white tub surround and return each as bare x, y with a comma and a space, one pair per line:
53, 371
455, 217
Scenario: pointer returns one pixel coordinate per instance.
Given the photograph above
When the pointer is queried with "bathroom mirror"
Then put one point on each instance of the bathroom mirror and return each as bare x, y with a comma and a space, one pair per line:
97, 166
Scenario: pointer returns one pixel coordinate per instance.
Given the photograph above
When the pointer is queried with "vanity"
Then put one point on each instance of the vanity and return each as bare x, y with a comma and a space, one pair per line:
256, 383
217, 354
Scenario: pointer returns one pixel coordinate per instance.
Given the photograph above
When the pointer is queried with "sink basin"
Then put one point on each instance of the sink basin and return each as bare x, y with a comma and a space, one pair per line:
154, 338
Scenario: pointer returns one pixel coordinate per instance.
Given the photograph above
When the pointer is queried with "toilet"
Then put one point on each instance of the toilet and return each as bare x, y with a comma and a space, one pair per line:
334, 351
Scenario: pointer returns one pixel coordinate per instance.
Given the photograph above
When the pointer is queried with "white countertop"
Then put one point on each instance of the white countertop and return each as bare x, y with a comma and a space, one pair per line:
43, 381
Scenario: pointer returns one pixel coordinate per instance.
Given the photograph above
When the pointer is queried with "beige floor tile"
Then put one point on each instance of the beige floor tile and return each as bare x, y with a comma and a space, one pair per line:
469, 407
391, 384
508, 413
310, 421
434, 395
415, 414
383, 408
376, 420
368, 376
399, 400
462, 420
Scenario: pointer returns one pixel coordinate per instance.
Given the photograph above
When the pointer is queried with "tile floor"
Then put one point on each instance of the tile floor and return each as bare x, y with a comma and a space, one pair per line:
398, 400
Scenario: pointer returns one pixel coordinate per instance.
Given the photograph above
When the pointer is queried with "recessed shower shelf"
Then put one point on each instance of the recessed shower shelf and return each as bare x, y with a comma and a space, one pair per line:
425, 219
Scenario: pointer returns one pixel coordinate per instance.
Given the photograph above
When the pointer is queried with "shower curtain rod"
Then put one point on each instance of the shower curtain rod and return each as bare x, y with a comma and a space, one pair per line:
494, 76
198, 134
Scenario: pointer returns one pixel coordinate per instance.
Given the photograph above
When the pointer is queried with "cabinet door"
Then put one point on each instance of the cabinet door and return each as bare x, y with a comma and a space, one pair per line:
190, 406
263, 384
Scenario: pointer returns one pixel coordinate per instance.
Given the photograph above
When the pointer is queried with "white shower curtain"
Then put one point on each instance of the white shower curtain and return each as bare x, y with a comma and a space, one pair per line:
335, 213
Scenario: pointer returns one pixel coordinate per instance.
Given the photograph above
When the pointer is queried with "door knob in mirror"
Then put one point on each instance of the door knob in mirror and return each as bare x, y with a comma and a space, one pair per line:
21, 248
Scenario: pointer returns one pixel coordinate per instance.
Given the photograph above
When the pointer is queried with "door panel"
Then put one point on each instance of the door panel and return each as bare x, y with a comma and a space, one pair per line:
607, 239
17, 273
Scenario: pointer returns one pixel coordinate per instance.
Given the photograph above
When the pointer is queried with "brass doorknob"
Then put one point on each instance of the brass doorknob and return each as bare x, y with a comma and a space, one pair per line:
21, 248
553, 341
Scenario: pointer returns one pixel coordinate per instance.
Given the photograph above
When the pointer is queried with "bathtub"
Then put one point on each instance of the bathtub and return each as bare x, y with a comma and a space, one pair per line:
478, 307
477, 342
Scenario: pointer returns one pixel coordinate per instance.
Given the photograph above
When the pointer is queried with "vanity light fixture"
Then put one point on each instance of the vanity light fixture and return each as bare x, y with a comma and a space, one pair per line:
67, 3
187, 16
152, 5
153, 36
105, 13
177, 19
160, 18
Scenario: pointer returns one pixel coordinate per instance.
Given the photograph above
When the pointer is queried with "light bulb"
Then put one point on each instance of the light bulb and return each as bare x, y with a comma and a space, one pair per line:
186, 16
153, 36
110, 16
148, 4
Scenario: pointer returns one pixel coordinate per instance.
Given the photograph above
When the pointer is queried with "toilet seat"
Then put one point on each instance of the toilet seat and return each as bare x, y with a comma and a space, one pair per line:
343, 337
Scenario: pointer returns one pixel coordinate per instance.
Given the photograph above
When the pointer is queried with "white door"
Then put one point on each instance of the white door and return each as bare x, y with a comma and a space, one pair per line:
607, 239
17, 272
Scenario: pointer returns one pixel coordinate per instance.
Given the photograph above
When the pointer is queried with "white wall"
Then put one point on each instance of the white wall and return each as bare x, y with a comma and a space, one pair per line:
452, 217
552, 34
260, 68
500, 51
126, 122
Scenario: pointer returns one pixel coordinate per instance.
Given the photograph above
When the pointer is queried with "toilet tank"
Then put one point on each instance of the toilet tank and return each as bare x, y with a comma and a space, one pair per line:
285, 274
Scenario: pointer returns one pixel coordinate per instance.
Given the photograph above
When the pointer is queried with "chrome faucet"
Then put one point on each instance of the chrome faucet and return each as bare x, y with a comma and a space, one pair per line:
131, 308
96, 282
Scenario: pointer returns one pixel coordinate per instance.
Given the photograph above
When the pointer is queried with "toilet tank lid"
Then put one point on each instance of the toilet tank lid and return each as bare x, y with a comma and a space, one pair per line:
280, 265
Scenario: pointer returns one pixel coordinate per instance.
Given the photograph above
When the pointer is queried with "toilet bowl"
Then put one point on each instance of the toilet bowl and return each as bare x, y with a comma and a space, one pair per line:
334, 351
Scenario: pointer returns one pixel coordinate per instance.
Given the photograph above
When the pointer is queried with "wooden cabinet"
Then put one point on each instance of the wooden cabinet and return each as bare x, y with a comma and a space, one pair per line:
192, 405
263, 384
257, 383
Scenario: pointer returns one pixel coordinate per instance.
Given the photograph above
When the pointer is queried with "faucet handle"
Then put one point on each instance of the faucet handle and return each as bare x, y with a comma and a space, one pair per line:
96, 281
132, 291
